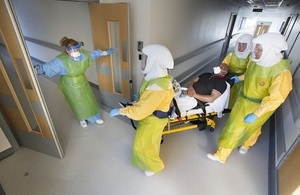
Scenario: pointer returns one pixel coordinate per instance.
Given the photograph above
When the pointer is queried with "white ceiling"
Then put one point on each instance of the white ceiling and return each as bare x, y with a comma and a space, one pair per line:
285, 5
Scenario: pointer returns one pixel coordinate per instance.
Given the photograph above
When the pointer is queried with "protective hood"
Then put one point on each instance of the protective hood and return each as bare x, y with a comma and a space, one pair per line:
273, 44
159, 60
245, 38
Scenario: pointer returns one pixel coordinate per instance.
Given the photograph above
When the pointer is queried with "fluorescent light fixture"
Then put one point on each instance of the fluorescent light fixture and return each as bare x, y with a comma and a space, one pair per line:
273, 3
250, 2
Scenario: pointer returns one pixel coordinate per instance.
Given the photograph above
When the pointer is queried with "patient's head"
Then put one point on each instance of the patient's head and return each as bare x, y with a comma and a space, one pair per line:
221, 70
224, 68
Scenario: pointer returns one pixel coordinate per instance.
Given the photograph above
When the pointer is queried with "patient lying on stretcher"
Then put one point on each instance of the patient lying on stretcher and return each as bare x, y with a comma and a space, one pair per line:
208, 90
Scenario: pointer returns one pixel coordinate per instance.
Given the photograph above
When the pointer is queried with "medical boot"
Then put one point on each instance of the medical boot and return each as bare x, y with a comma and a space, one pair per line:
83, 123
149, 173
99, 121
243, 150
214, 158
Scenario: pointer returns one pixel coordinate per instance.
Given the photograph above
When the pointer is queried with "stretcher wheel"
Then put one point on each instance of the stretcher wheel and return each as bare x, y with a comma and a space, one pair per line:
202, 126
211, 129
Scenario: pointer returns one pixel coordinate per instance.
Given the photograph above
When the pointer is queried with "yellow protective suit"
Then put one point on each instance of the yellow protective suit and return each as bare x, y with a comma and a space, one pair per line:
265, 89
237, 66
237, 62
155, 94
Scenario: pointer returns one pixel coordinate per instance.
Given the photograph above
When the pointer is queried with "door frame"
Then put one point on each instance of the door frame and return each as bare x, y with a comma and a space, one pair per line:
37, 132
228, 36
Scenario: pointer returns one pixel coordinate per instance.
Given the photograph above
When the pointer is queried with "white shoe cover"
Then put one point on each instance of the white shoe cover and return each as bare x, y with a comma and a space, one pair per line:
243, 150
99, 121
149, 173
214, 158
83, 123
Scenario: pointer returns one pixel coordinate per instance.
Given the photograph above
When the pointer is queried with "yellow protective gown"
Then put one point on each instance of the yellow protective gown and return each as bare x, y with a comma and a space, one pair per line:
237, 66
265, 89
154, 94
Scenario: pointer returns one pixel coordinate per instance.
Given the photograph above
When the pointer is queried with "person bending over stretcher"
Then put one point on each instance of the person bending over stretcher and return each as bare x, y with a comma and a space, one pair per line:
205, 88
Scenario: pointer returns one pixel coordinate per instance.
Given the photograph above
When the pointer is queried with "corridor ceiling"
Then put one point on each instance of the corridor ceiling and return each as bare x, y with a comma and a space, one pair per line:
270, 5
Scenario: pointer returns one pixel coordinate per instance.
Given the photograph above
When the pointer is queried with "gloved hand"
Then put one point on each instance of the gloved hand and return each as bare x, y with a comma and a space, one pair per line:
38, 69
235, 79
250, 118
114, 112
135, 97
110, 51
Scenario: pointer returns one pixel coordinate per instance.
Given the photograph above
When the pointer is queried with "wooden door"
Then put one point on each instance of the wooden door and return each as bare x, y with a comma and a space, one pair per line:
21, 102
289, 174
110, 30
261, 29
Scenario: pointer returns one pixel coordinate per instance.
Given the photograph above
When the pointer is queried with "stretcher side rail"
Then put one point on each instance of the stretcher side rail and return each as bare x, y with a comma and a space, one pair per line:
200, 120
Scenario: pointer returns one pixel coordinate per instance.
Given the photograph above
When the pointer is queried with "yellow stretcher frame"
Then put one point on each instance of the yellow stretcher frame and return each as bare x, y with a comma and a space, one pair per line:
184, 123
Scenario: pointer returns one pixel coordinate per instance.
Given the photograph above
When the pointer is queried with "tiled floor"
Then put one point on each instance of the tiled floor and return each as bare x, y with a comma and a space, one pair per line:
97, 161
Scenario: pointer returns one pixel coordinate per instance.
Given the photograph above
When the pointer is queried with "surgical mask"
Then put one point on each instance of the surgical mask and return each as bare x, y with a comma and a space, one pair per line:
217, 70
75, 54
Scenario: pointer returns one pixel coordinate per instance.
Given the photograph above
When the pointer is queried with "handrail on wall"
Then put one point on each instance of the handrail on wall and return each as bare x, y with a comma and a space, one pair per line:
44, 43
177, 61
195, 52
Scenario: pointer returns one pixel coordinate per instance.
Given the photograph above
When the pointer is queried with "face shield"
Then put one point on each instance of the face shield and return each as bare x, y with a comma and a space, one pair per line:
144, 62
156, 61
74, 51
156, 57
267, 49
257, 52
243, 46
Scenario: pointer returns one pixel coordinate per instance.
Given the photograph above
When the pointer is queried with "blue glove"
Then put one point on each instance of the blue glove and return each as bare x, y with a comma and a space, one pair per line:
110, 51
114, 112
250, 118
135, 97
235, 79
38, 69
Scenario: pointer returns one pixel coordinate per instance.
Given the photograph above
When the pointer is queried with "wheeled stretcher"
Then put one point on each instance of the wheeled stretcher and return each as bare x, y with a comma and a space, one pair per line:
189, 116
200, 118
185, 115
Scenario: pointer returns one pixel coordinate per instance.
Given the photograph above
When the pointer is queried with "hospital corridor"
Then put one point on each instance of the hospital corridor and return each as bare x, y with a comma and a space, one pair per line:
97, 161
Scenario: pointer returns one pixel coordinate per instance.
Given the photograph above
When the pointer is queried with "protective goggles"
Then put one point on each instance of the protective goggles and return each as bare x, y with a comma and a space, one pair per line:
76, 47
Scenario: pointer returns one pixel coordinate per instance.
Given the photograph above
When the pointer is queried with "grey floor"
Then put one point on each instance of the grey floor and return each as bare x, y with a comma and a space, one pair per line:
97, 161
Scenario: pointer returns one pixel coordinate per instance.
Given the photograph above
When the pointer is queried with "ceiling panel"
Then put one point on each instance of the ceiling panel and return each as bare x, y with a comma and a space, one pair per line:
268, 4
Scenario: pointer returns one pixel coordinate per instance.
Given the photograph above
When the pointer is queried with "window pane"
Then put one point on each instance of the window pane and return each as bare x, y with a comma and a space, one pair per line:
116, 64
